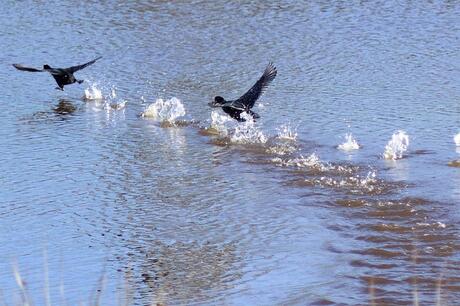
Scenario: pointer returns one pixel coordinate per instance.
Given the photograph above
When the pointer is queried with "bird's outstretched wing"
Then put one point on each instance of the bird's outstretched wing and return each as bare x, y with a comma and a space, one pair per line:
250, 97
79, 67
22, 68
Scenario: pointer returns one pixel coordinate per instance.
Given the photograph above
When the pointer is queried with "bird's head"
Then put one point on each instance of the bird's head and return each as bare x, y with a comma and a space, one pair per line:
46, 67
218, 101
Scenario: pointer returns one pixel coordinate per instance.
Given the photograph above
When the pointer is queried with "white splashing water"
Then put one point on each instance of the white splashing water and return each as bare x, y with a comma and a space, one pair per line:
457, 140
165, 110
238, 132
312, 162
113, 93
287, 132
350, 143
367, 183
397, 146
247, 131
93, 93
221, 123
369, 179
309, 162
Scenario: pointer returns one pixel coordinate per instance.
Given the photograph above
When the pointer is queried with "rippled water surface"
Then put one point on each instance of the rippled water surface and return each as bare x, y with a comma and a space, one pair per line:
139, 188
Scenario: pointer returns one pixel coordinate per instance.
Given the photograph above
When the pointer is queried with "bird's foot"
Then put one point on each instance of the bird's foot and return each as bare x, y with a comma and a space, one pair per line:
254, 115
60, 88
80, 81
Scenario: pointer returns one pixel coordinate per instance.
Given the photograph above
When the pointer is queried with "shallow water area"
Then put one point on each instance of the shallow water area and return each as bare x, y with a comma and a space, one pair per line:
184, 205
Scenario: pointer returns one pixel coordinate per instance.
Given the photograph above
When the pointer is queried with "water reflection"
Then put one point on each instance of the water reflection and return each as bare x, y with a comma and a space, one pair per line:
62, 111
184, 272
64, 107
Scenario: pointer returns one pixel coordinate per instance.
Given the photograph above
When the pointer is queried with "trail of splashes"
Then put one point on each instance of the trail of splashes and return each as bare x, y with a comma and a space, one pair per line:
165, 110
397, 146
350, 143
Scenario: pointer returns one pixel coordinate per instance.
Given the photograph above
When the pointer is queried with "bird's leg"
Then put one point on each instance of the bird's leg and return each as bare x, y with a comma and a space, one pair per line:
253, 114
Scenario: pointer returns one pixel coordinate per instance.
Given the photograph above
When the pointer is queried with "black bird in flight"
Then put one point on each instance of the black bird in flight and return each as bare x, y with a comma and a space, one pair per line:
244, 104
63, 76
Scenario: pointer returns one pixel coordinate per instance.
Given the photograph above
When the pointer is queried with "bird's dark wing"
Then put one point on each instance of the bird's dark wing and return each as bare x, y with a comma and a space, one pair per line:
22, 68
79, 67
236, 105
250, 97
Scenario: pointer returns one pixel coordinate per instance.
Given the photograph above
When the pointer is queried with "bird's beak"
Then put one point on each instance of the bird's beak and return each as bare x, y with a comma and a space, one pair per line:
212, 104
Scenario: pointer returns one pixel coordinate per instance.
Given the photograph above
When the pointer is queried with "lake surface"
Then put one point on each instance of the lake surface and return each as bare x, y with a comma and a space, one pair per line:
181, 206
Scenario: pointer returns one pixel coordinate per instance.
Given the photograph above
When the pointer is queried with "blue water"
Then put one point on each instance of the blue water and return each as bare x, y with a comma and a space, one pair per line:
180, 214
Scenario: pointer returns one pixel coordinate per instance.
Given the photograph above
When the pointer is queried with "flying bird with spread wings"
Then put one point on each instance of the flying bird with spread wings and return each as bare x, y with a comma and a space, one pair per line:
63, 76
244, 104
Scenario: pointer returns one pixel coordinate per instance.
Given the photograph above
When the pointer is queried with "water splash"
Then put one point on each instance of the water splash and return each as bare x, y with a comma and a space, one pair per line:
287, 132
281, 146
311, 162
236, 132
368, 184
112, 103
350, 143
93, 93
113, 92
457, 140
165, 110
221, 124
115, 106
397, 146
247, 131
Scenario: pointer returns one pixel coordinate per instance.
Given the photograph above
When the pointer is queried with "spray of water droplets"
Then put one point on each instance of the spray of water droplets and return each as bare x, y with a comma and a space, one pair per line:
397, 146
350, 143
165, 110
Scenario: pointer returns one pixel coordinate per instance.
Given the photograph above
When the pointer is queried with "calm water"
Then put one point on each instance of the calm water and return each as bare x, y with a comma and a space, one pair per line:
208, 212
